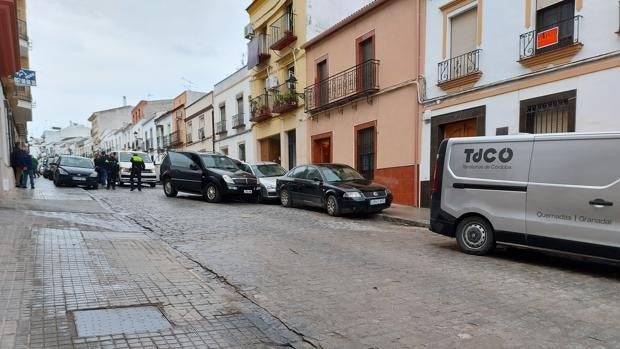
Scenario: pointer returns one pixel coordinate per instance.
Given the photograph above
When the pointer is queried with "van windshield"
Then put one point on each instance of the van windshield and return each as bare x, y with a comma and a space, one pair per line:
126, 157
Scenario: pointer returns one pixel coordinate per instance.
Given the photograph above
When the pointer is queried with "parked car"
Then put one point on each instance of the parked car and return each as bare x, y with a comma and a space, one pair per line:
550, 191
212, 175
124, 163
50, 167
267, 174
337, 188
75, 170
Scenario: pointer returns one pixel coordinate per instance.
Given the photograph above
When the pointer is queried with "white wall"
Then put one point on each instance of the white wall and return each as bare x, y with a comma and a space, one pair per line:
226, 91
502, 24
112, 119
322, 14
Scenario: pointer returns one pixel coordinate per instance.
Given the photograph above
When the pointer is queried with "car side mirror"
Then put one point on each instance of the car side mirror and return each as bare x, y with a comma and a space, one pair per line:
317, 179
194, 167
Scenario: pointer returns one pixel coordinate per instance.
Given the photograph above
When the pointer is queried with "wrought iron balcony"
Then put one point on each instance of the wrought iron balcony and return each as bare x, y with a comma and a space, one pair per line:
550, 37
23, 93
360, 80
260, 108
281, 31
22, 27
285, 98
175, 139
458, 67
238, 121
220, 127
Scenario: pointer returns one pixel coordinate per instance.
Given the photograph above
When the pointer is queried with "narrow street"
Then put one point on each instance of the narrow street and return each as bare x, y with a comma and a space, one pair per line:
244, 275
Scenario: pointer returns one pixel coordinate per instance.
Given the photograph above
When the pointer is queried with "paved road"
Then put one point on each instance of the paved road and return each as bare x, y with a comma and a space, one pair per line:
363, 283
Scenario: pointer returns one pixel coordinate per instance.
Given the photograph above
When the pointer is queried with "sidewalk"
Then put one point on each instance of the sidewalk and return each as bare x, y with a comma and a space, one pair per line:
75, 275
407, 215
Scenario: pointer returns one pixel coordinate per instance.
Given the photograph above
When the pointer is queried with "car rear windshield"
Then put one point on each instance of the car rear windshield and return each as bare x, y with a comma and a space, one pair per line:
76, 162
270, 170
126, 157
219, 162
339, 173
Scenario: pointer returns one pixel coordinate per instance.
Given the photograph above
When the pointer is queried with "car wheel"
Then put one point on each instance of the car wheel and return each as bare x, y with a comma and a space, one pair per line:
475, 235
285, 198
333, 209
212, 193
152, 185
169, 188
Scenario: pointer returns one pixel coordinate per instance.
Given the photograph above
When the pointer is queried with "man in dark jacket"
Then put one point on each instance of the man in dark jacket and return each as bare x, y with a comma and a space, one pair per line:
15, 164
100, 163
137, 166
27, 172
112, 169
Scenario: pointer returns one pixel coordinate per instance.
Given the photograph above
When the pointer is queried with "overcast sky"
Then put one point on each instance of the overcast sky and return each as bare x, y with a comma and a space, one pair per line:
89, 54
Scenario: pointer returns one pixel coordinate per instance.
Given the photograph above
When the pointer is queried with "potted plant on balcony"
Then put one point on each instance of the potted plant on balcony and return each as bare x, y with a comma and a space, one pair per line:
284, 102
259, 110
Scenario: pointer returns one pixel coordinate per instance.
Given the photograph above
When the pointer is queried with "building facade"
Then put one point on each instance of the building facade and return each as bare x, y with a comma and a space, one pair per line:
199, 124
362, 99
233, 129
504, 67
179, 134
104, 121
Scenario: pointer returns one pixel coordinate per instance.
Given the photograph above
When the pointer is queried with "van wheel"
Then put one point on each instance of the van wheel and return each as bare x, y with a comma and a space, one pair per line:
475, 235
212, 193
169, 188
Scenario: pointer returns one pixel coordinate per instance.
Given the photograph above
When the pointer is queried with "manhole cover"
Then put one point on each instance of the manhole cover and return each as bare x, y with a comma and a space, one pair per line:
101, 322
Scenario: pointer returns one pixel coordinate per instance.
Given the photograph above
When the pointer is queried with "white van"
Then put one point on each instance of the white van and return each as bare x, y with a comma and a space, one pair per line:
549, 191
124, 162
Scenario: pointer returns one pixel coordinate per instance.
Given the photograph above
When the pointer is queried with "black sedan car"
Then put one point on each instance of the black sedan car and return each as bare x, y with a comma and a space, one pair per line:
337, 188
212, 175
74, 170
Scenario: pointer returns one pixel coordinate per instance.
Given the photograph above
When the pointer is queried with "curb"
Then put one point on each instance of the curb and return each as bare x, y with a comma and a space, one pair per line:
403, 221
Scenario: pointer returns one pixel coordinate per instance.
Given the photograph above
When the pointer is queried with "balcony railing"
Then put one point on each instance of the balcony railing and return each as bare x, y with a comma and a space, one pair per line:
23, 93
550, 37
238, 121
285, 98
201, 134
281, 31
23, 29
360, 80
260, 108
175, 139
189, 138
263, 48
220, 127
459, 66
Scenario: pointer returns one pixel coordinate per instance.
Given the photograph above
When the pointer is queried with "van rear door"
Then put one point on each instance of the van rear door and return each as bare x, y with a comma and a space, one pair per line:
574, 194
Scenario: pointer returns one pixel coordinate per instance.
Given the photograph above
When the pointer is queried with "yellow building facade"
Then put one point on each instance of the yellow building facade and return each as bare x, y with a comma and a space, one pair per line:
276, 32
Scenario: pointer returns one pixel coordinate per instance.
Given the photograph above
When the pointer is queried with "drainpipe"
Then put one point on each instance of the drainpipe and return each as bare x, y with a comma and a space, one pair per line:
213, 127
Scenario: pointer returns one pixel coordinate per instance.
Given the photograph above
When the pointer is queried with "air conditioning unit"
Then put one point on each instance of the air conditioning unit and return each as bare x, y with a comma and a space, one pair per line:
248, 31
272, 82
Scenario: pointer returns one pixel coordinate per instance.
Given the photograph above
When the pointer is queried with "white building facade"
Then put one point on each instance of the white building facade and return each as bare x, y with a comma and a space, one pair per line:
104, 121
526, 66
233, 129
199, 124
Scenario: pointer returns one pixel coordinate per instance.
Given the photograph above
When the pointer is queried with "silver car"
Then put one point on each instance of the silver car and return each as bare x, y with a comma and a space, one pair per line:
267, 174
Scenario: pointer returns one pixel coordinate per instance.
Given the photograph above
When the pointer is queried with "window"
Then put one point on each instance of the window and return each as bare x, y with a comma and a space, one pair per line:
321, 75
190, 130
312, 173
549, 114
240, 105
180, 160
201, 127
298, 172
180, 114
223, 112
290, 73
242, 151
463, 29
556, 18
366, 152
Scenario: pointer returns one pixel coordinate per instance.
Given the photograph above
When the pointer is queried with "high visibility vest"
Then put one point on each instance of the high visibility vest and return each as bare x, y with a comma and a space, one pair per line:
136, 158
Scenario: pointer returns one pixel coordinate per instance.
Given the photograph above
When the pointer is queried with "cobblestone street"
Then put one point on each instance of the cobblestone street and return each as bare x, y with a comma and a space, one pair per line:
244, 275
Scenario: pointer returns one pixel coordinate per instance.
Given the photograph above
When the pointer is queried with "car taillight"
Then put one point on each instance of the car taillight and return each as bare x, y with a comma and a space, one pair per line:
436, 177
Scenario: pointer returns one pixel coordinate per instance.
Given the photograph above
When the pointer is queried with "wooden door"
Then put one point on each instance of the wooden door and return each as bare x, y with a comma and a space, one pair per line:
322, 150
465, 128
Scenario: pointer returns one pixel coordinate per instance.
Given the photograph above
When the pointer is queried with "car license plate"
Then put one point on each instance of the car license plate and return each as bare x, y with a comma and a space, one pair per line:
247, 192
79, 178
377, 201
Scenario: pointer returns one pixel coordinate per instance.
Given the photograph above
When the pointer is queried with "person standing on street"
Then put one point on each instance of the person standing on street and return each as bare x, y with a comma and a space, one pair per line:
15, 164
35, 167
112, 168
101, 164
27, 171
137, 166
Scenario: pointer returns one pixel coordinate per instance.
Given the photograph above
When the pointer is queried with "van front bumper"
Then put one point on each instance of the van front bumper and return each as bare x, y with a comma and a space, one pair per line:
146, 177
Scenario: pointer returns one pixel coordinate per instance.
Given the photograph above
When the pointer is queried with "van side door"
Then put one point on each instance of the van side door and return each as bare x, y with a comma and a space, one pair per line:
574, 195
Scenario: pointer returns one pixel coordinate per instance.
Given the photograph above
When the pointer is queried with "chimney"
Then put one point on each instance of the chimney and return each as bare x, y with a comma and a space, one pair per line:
124, 101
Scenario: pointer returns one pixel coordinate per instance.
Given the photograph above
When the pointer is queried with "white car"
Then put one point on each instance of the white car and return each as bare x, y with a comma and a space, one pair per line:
267, 174
124, 163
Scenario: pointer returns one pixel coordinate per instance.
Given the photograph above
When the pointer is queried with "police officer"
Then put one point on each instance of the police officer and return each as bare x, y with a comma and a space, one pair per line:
112, 168
137, 166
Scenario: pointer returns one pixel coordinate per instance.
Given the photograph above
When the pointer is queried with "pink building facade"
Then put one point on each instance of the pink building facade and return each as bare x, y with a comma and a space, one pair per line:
362, 99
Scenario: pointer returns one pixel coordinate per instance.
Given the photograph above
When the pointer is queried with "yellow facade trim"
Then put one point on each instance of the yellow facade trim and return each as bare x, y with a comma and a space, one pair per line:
546, 58
479, 18
578, 4
584, 69
467, 80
